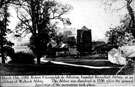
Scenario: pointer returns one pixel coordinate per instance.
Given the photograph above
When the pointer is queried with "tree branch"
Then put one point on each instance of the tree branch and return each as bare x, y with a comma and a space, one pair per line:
24, 22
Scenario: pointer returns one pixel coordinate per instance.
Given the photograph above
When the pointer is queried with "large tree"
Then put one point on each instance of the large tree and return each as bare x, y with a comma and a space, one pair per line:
3, 26
123, 32
36, 18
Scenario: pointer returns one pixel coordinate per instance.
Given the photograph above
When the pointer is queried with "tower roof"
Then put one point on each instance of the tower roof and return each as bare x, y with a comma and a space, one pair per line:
84, 28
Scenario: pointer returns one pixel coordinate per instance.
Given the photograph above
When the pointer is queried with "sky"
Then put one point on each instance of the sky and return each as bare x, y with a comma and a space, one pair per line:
89, 13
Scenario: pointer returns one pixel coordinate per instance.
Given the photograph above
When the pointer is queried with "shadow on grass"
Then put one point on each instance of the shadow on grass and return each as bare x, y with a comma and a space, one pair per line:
51, 69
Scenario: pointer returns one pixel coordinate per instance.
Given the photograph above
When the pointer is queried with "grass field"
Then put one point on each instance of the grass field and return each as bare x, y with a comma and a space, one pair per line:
58, 69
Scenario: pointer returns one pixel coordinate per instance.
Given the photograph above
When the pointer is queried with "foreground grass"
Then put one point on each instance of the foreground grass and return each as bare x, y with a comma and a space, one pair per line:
57, 69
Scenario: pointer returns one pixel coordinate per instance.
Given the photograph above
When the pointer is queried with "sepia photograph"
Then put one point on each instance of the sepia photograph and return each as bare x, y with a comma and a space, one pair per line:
67, 37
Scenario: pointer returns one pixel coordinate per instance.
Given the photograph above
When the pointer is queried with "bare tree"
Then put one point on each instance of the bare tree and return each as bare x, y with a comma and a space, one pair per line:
127, 24
36, 18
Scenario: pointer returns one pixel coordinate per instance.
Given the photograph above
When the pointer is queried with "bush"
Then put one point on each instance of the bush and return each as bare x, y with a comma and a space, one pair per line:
23, 58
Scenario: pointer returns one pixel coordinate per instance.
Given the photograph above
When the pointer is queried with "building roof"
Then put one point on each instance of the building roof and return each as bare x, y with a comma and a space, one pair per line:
84, 28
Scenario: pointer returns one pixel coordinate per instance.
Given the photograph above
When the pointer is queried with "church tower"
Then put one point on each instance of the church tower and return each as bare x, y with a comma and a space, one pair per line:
84, 40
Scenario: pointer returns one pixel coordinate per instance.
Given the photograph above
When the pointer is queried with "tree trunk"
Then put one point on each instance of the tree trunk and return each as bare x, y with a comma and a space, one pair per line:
37, 49
38, 59
35, 29
2, 52
131, 14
